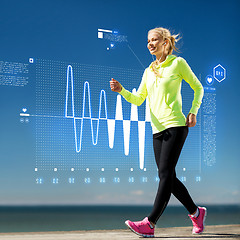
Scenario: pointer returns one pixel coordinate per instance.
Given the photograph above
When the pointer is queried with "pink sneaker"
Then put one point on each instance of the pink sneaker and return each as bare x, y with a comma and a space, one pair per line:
141, 228
198, 223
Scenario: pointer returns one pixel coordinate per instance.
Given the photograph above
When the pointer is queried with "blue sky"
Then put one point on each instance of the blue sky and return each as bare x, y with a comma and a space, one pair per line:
66, 31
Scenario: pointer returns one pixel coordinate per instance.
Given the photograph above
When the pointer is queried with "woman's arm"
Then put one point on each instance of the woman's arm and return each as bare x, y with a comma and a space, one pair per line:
137, 98
188, 75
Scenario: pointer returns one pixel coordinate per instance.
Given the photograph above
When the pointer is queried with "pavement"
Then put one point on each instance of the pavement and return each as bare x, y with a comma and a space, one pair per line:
211, 233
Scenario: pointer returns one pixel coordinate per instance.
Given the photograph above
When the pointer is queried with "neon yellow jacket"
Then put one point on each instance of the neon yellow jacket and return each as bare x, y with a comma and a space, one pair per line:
164, 93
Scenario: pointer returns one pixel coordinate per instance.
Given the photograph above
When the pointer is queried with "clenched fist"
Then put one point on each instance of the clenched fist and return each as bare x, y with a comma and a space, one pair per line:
115, 85
191, 120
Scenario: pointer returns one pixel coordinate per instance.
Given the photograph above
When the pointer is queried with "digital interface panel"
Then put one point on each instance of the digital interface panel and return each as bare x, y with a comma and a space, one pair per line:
83, 131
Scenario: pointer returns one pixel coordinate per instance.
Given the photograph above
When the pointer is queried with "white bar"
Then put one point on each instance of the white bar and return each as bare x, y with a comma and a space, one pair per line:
126, 136
147, 112
119, 112
111, 131
134, 110
104, 30
24, 114
141, 141
100, 34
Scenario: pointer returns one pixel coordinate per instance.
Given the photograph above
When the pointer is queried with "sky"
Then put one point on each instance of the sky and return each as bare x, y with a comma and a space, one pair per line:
61, 32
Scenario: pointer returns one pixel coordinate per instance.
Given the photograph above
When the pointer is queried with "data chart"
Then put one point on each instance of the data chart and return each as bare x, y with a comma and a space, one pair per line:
82, 125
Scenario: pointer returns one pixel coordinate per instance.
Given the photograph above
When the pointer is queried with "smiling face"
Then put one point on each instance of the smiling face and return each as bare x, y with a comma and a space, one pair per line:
156, 44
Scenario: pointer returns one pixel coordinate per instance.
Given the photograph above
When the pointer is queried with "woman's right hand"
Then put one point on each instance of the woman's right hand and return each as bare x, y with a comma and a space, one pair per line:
115, 85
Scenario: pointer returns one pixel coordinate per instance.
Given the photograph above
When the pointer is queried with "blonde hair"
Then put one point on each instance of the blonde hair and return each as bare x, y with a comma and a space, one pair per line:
165, 35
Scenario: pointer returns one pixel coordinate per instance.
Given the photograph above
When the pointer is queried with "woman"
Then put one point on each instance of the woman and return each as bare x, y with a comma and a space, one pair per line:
161, 83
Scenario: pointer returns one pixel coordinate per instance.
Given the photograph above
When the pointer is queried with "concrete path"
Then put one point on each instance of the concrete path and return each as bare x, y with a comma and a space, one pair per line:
178, 233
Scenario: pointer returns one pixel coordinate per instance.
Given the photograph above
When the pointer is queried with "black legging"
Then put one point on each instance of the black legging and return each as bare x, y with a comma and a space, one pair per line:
167, 148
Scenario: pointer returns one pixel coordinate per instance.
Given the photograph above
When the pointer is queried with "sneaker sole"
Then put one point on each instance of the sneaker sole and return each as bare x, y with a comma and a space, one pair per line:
204, 218
140, 234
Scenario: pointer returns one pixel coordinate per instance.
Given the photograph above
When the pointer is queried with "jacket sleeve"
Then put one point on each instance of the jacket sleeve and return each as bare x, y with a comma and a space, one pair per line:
188, 75
141, 94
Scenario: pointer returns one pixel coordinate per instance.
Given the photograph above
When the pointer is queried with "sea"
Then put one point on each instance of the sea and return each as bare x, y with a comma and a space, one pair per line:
75, 218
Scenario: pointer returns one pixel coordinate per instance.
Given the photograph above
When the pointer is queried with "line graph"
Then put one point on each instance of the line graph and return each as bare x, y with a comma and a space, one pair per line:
70, 105
76, 126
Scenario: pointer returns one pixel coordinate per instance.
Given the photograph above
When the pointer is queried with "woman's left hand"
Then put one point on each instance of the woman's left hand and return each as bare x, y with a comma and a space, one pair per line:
191, 120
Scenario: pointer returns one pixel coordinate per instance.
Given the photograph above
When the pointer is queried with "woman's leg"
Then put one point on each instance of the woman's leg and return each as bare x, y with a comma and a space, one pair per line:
183, 196
167, 149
